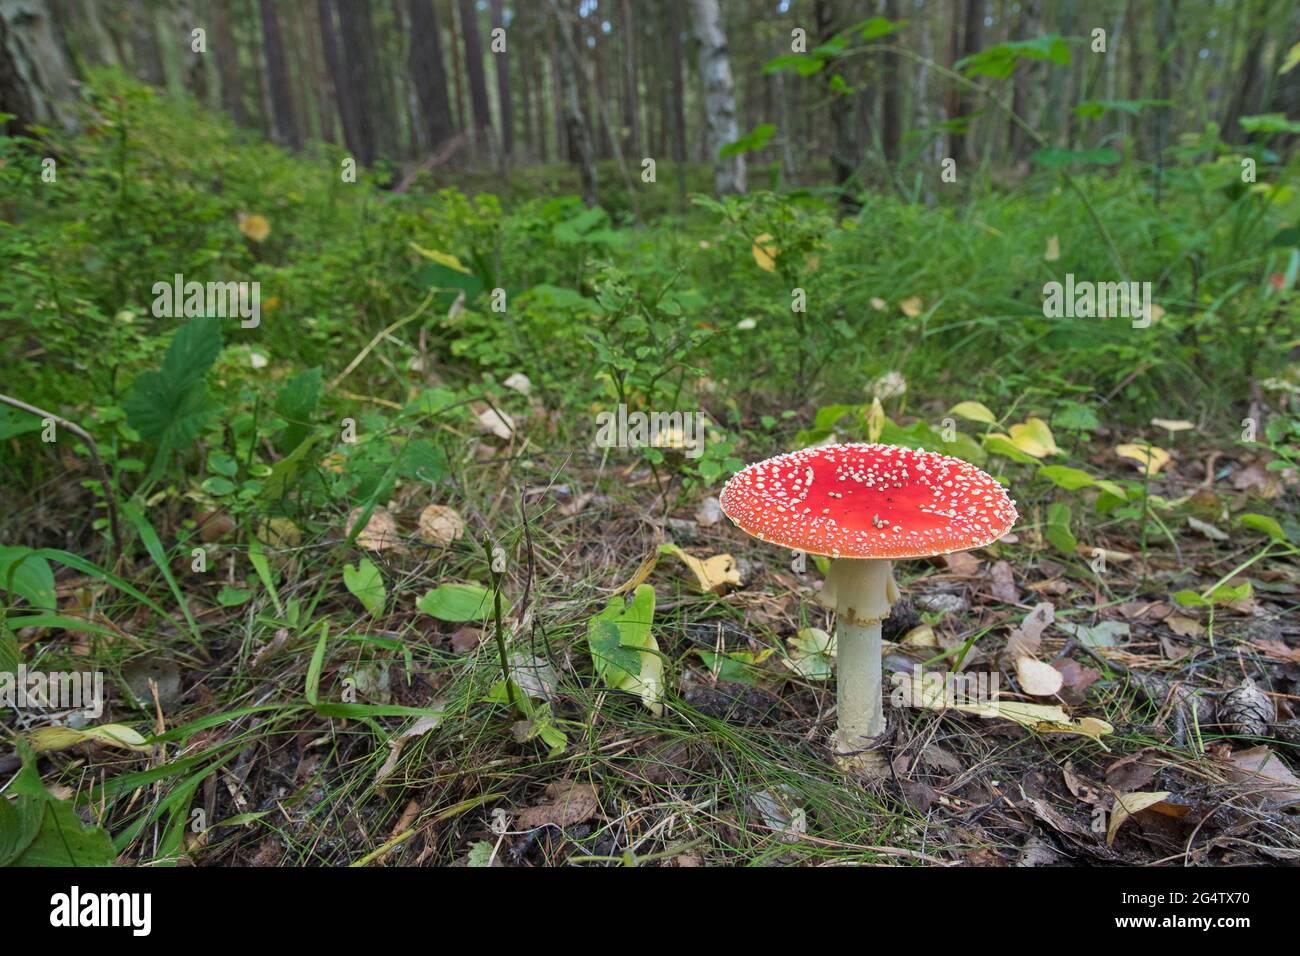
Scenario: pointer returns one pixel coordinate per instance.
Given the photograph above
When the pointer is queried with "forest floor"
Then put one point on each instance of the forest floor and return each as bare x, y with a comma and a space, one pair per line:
738, 766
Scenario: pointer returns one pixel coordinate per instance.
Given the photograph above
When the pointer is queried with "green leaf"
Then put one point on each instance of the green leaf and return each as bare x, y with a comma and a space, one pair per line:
1058, 528
233, 597
154, 546
624, 650
28, 575
804, 64
755, 139
1000, 61
296, 403
44, 831
1269, 123
974, 412
1258, 522
460, 602
998, 445
11, 654
169, 406
1071, 479
366, 584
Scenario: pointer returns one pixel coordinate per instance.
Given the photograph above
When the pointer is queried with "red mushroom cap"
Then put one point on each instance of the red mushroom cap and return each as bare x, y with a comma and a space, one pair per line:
868, 501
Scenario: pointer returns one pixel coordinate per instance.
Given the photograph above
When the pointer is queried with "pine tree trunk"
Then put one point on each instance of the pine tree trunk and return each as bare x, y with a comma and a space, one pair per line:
504, 107
284, 128
575, 123
428, 73
478, 96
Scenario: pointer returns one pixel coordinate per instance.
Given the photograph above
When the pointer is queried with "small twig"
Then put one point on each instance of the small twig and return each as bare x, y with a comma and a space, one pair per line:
94, 453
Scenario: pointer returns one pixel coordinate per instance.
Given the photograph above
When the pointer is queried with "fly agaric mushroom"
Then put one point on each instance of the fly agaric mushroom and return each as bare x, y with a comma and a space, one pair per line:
863, 506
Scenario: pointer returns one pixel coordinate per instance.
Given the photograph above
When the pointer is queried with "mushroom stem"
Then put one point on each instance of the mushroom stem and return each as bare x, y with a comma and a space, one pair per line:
861, 592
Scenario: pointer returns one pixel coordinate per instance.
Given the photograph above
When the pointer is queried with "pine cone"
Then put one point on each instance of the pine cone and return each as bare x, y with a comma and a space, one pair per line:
1246, 711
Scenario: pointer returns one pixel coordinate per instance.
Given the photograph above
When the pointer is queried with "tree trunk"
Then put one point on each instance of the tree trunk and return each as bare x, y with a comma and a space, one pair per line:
575, 123
35, 75
284, 128
970, 43
428, 73
631, 96
719, 97
675, 26
504, 106
1027, 27
478, 96
227, 55
891, 121
359, 69
349, 105
844, 149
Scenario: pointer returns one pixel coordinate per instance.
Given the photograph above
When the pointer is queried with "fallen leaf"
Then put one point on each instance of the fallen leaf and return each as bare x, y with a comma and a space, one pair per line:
962, 563
1207, 529
1053, 250
709, 512
812, 653
1033, 437
1101, 634
1025, 640
1036, 678
1003, 585
568, 803
1149, 458
520, 383
1173, 425
44, 739
395, 743
440, 525
1278, 651
911, 306
1077, 678
466, 639
711, 573
1044, 718
1127, 804
380, 532
1262, 770
496, 422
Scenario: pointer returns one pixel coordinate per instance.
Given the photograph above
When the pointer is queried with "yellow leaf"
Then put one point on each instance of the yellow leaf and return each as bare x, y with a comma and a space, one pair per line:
1044, 718
875, 420
442, 258
1127, 804
911, 307
1292, 58
1053, 251
711, 573
253, 226
973, 412
1033, 437
1148, 458
1038, 679
643, 572
765, 252
60, 738
279, 533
